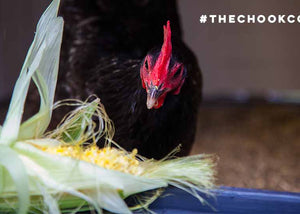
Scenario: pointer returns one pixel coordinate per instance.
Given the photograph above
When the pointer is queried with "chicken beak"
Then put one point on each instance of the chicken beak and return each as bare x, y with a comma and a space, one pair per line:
152, 98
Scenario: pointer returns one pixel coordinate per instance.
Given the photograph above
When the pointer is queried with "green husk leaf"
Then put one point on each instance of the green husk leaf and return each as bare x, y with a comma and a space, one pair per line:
100, 188
198, 166
9, 159
64, 174
41, 64
49, 200
81, 174
76, 128
48, 38
75, 125
1, 179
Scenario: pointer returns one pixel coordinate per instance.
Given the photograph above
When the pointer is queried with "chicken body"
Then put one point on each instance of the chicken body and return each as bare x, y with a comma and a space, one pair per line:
103, 48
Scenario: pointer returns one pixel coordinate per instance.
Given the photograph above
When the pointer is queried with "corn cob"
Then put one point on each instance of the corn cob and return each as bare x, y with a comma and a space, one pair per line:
57, 171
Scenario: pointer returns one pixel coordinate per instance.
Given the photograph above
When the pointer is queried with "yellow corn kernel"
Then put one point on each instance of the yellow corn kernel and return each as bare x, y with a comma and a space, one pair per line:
107, 157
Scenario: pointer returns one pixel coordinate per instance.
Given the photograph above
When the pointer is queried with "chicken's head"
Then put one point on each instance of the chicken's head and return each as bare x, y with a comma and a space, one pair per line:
161, 73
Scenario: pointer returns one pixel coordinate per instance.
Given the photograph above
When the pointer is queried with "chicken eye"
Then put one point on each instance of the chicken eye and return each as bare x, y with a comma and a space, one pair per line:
177, 72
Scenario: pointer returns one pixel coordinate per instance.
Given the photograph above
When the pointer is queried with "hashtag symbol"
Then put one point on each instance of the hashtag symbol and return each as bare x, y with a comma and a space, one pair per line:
203, 19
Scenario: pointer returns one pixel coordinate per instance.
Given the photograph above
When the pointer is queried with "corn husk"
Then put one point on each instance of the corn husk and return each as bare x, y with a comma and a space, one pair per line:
63, 170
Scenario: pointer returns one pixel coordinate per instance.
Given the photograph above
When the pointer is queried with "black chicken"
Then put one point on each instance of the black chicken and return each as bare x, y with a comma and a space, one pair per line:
151, 96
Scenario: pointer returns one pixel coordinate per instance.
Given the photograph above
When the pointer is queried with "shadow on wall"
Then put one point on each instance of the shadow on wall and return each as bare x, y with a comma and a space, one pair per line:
233, 57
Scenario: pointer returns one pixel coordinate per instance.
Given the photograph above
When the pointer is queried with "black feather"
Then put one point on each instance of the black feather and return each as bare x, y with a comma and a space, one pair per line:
104, 44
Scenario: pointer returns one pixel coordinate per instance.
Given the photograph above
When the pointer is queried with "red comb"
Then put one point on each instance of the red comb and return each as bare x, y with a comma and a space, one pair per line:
166, 49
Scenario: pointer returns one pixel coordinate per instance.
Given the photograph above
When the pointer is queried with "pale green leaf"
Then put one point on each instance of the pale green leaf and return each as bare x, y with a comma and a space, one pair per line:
75, 128
50, 201
14, 166
110, 199
11, 126
1, 179
49, 33
64, 174
41, 64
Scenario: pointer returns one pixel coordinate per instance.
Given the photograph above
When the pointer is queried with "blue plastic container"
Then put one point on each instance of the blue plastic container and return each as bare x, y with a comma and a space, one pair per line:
229, 201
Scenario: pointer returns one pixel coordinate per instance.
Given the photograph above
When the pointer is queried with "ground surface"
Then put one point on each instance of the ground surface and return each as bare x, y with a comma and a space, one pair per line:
258, 145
